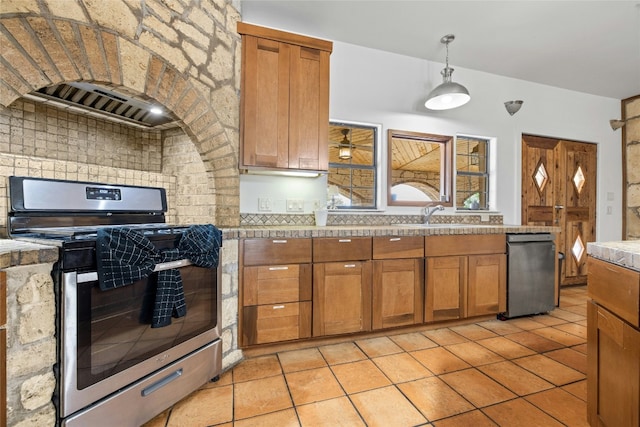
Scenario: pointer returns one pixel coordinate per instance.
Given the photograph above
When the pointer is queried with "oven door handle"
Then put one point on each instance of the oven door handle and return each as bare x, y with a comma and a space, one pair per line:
93, 275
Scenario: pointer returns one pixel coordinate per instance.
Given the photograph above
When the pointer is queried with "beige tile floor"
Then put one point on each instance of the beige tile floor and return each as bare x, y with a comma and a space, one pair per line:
522, 372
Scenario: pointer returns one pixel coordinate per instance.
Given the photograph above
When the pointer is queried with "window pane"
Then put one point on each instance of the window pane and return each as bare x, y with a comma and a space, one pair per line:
471, 155
471, 192
420, 172
352, 167
472, 178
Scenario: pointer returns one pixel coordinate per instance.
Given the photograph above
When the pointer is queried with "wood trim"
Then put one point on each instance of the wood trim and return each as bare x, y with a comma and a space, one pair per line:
3, 298
285, 37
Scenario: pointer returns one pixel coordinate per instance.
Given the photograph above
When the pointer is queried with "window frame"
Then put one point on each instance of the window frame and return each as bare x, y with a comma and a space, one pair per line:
446, 167
486, 174
375, 167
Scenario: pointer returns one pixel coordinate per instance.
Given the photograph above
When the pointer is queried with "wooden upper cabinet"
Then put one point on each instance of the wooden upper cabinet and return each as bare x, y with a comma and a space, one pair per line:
284, 106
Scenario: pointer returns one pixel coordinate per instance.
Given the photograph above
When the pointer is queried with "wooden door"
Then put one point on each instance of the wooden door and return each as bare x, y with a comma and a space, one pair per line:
559, 189
445, 287
341, 297
397, 292
576, 206
487, 284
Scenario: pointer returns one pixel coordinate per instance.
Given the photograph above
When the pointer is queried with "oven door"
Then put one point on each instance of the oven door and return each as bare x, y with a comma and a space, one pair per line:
107, 341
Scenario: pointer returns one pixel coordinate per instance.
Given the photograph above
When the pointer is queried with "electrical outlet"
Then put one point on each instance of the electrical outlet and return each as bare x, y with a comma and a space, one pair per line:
264, 204
295, 205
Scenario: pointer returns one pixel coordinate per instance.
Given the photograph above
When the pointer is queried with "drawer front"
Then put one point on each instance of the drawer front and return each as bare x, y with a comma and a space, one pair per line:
468, 244
273, 323
615, 288
276, 251
276, 284
398, 247
341, 249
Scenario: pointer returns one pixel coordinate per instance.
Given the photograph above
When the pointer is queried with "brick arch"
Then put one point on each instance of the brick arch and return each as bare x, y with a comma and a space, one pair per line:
41, 52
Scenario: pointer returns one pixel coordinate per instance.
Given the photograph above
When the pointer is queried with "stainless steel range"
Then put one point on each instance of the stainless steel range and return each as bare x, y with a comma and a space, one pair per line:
138, 301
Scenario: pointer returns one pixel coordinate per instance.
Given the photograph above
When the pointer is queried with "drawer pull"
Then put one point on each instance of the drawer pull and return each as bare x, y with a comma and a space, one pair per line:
394, 239
349, 266
344, 241
279, 241
278, 268
278, 307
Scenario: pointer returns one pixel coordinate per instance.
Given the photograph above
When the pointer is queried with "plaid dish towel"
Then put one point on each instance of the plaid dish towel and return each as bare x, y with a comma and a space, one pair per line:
125, 256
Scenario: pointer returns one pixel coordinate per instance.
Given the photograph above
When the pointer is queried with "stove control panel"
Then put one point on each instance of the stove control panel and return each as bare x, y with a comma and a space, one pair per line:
98, 193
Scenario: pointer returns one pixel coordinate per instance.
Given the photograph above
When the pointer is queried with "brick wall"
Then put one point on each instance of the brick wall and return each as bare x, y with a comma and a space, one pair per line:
182, 53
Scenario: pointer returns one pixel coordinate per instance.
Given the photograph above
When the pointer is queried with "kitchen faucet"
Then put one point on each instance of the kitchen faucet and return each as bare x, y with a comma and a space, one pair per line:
428, 212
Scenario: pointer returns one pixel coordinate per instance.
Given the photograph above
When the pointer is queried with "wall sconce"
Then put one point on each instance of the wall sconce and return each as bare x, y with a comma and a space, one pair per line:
617, 124
513, 106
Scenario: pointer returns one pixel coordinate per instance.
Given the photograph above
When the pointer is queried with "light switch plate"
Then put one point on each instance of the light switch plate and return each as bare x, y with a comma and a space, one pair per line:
264, 204
295, 205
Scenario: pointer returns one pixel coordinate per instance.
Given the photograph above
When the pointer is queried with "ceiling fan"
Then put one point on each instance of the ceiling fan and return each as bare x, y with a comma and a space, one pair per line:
346, 147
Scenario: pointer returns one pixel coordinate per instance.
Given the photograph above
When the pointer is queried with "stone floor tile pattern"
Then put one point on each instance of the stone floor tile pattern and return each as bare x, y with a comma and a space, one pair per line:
519, 372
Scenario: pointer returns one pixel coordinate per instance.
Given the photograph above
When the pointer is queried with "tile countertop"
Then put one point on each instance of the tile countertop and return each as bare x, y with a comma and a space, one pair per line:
22, 252
379, 230
625, 253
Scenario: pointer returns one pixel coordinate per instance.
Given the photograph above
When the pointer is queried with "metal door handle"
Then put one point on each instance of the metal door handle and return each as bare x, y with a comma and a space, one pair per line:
559, 207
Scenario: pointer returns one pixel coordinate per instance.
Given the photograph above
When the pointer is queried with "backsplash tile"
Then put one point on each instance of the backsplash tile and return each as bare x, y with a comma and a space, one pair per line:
337, 219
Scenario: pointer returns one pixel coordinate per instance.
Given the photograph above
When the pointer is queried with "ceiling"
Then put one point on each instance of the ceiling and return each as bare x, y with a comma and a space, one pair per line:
585, 46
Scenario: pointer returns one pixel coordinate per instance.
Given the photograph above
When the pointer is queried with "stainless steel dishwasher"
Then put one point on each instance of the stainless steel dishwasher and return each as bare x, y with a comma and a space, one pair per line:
530, 274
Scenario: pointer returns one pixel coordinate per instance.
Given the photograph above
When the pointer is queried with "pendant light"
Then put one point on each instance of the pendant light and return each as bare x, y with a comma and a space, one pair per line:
449, 94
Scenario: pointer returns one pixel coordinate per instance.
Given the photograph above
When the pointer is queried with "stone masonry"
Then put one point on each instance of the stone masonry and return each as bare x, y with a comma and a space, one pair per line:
182, 53
631, 145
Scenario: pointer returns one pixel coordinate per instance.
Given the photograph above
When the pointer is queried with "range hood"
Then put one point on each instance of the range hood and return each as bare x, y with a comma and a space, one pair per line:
106, 103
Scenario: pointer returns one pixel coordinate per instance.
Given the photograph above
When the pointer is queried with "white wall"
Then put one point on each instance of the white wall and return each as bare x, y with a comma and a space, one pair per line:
378, 87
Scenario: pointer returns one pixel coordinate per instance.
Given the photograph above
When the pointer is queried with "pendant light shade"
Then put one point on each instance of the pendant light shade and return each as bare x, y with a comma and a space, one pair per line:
449, 94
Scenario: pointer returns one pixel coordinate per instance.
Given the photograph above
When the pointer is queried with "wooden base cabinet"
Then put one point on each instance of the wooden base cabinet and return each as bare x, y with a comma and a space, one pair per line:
487, 284
445, 288
275, 290
466, 276
341, 285
398, 281
613, 345
3, 348
341, 297
613, 376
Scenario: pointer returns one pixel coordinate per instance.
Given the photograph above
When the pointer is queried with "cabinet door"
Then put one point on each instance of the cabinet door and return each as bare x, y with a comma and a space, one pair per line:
309, 109
341, 297
265, 103
487, 284
397, 292
613, 375
445, 287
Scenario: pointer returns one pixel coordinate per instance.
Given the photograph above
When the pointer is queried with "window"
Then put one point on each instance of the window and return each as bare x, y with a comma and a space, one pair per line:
420, 167
352, 174
472, 173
